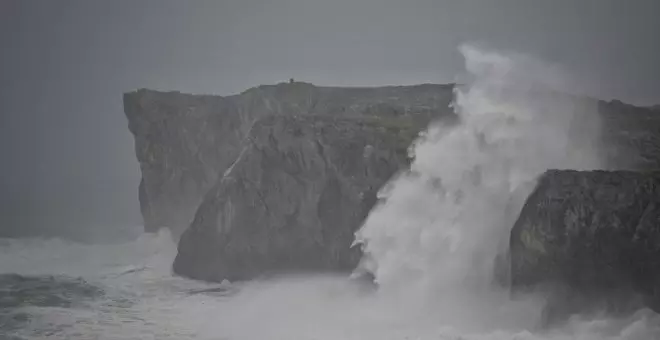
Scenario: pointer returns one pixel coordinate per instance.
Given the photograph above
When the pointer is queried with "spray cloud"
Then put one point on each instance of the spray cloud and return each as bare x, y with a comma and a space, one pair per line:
443, 223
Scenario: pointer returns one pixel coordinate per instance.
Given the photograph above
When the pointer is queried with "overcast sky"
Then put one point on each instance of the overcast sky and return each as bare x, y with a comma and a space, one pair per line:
64, 64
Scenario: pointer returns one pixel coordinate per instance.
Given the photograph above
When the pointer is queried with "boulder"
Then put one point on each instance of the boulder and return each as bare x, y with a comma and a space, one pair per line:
592, 238
294, 198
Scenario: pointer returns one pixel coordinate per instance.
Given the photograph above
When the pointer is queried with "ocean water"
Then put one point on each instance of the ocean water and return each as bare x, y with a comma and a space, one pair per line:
432, 245
128, 292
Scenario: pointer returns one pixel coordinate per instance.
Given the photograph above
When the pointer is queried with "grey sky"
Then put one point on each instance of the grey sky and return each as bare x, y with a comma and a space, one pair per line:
65, 64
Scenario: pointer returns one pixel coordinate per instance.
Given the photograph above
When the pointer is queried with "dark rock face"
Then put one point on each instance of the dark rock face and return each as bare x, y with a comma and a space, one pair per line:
184, 143
594, 237
300, 188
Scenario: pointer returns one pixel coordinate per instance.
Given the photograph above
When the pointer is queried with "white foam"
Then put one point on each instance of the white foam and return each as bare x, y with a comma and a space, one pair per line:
447, 235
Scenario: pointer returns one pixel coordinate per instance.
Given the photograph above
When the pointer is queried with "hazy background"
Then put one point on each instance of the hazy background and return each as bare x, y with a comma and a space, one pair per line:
67, 163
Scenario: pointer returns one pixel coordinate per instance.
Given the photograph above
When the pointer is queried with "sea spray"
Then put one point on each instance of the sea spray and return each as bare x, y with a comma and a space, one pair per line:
441, 225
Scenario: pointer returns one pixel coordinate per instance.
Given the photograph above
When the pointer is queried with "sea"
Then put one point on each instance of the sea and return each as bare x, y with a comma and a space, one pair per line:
433, 245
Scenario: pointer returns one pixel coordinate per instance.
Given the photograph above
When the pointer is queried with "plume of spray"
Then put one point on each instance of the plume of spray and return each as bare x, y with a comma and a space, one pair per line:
434, 239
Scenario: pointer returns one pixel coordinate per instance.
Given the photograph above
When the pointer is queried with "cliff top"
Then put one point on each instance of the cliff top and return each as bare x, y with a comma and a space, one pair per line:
297, 85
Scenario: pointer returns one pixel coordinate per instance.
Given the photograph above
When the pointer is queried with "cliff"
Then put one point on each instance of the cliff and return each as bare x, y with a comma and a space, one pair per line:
295, 196
279, 177
184, 143
593, 237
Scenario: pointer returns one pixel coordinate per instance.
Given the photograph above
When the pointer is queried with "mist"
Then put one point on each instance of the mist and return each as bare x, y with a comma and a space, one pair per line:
68, 163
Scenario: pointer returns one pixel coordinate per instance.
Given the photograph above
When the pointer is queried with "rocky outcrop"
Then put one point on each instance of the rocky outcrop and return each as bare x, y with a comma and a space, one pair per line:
295, 196
278, 177
591, 238
594, 237
184, 143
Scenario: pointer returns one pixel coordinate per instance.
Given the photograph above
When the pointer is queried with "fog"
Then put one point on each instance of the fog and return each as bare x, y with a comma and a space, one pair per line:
67, 160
